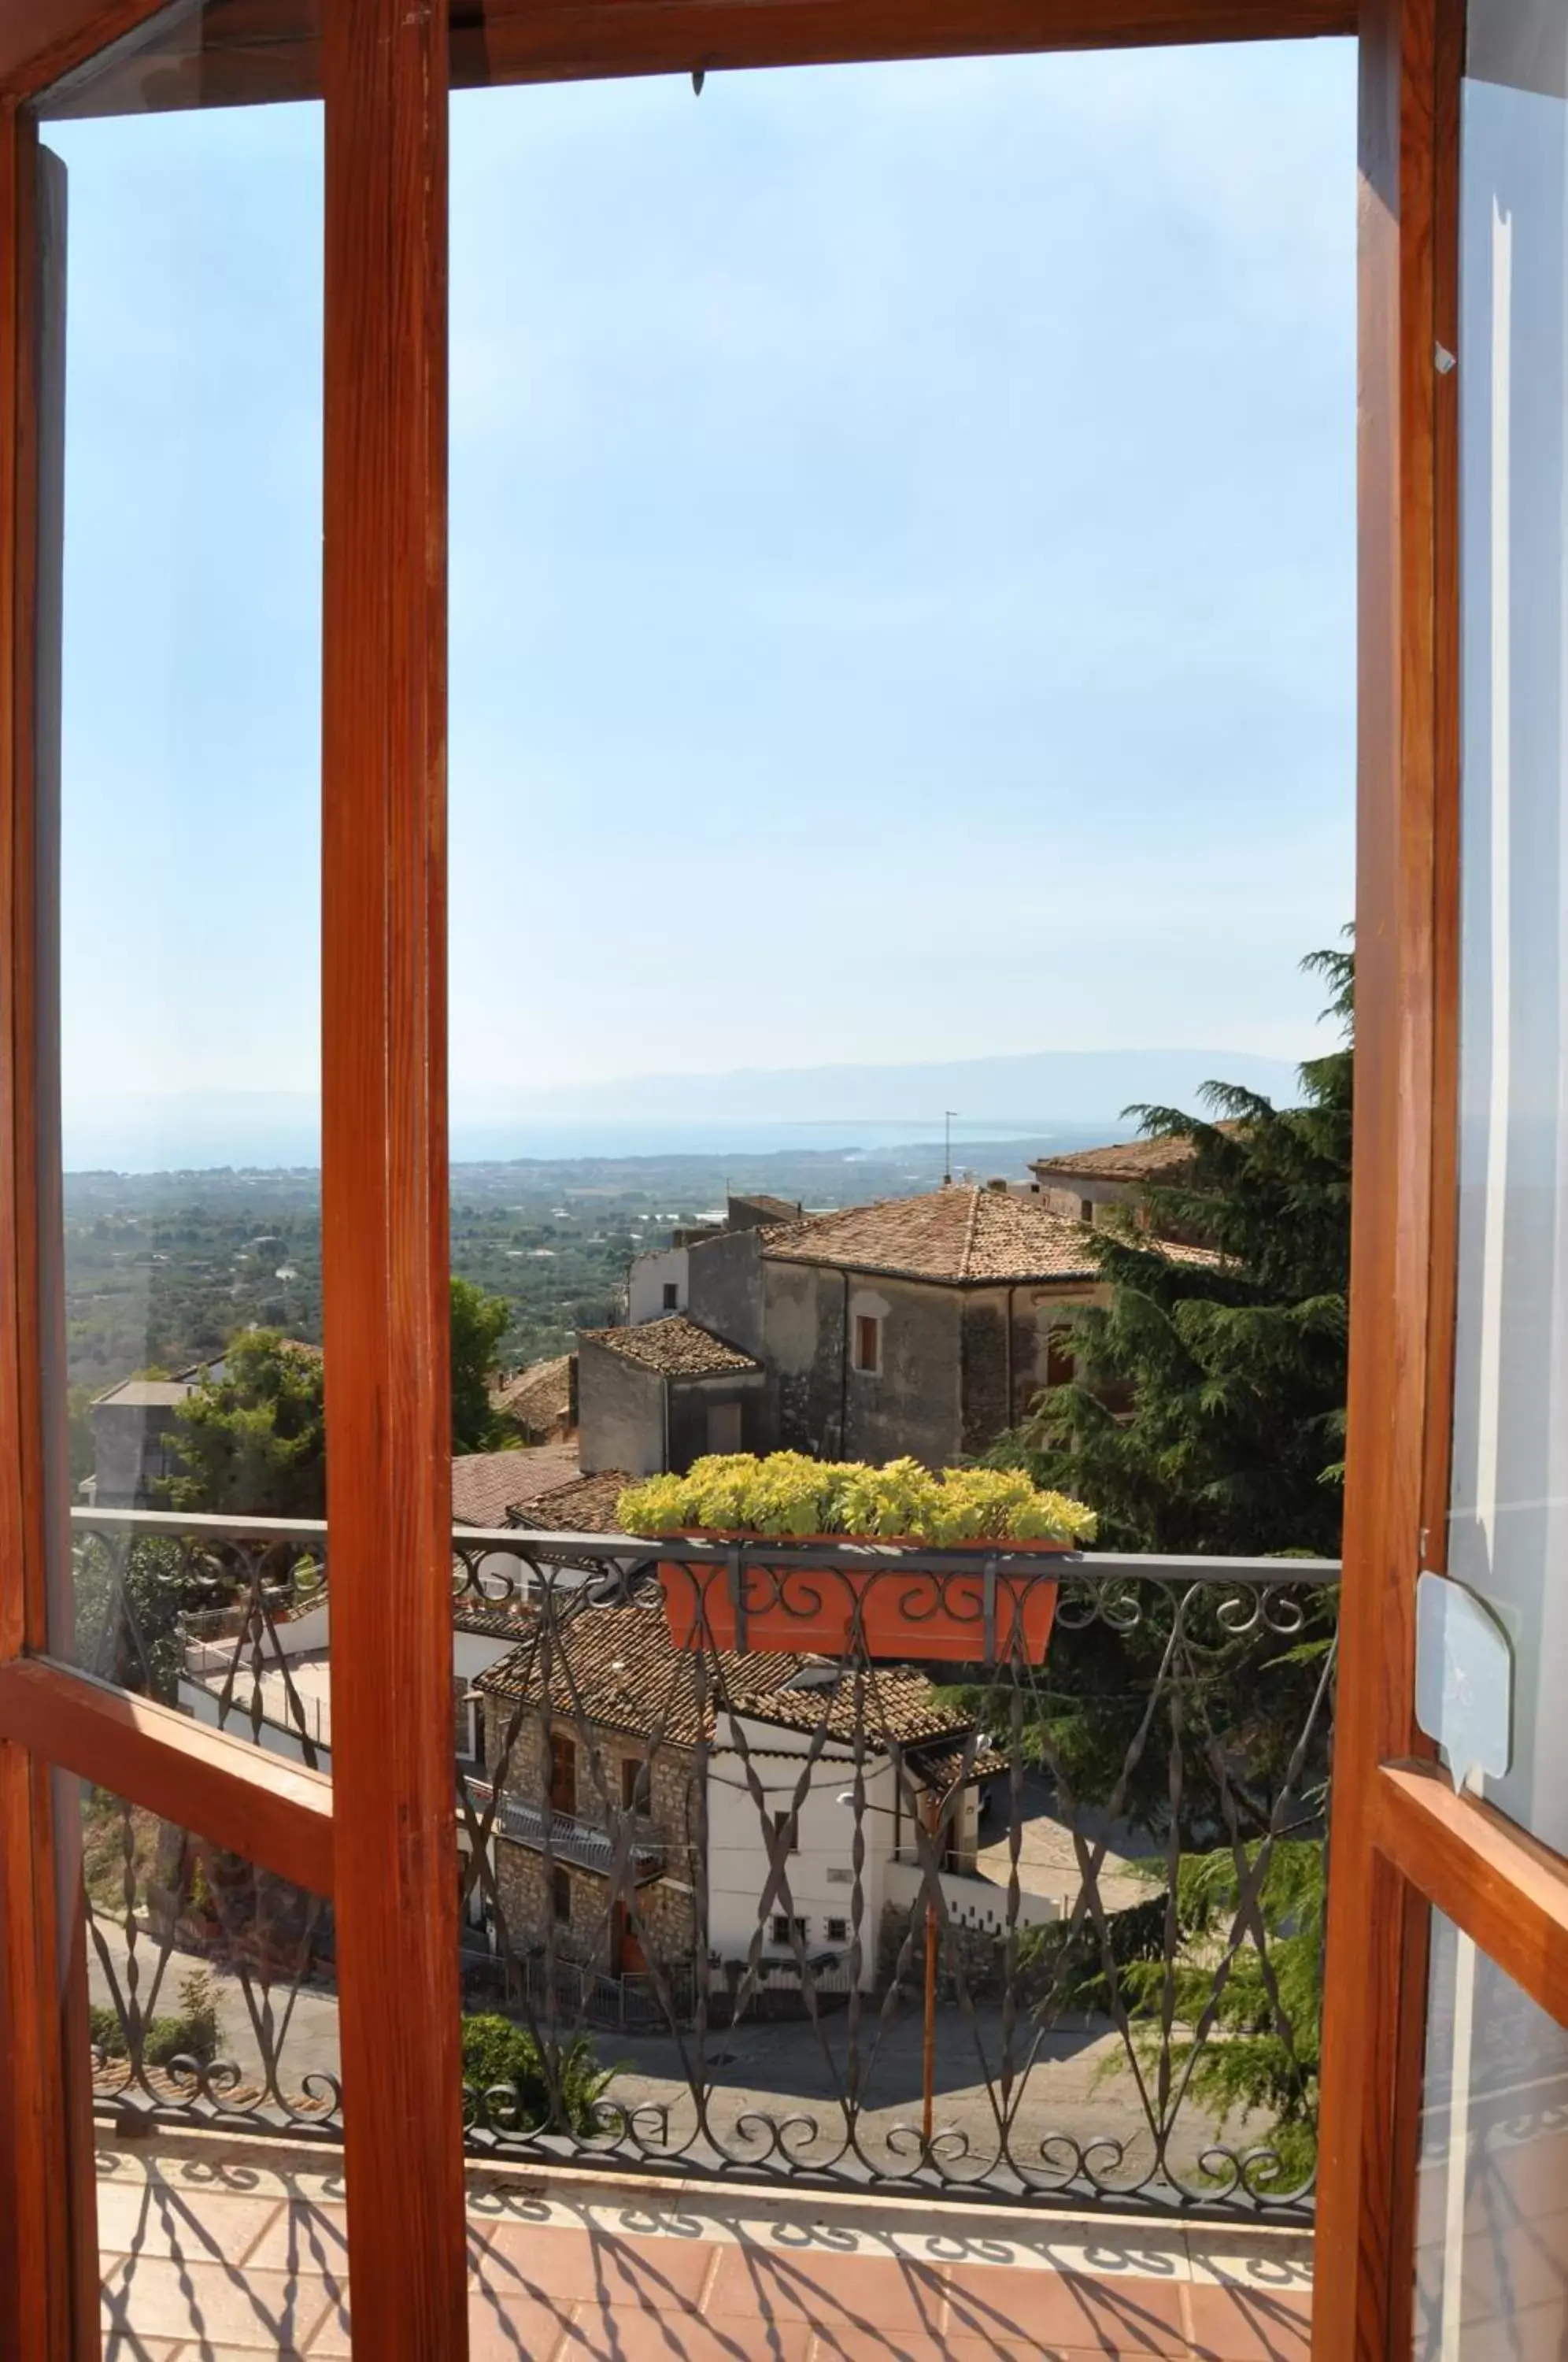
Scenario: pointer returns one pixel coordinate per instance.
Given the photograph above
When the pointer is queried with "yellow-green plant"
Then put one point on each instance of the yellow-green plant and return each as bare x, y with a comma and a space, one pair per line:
789, 1494
901, 1498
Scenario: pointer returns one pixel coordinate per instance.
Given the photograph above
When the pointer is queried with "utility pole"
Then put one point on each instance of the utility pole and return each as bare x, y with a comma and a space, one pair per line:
933, 1818
947, 1116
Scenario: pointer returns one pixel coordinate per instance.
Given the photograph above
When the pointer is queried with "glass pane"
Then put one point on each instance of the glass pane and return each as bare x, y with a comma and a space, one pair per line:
835, 585
179, 769
1509, 1522
212, 2011
1492, 2197
701, 1884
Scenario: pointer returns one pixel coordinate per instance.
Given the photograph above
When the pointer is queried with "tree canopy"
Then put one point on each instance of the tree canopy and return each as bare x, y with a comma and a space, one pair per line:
1206, 1415
1235, 1368
479, 1323
252, 1436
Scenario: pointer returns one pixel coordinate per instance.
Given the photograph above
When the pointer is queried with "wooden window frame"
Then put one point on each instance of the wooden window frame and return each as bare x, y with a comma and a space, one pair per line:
636, 1785
384, 72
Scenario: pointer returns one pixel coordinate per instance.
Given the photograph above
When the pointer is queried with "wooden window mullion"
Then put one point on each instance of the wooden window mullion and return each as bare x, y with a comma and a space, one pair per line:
49, 2268
385, 1192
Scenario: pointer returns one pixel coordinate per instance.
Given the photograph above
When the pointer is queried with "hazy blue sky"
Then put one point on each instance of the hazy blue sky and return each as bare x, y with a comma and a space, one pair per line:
902, 591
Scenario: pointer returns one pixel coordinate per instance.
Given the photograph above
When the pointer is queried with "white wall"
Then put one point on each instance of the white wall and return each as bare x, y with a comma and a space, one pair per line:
202, 1706
973, 1902
649, 1276
737, 1857
473, 1653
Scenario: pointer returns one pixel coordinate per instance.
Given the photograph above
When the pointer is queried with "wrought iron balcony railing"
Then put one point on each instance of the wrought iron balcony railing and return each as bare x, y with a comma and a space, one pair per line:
1035, 1914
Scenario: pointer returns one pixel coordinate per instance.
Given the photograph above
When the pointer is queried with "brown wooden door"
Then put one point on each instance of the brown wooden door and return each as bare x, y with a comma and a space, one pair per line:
563, 1772
627, 1958
1441, 2230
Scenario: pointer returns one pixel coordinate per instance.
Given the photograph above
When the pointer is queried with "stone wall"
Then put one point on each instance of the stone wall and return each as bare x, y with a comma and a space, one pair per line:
620, 1412
692, 1399
911, 1404
724, 1288
665, 1907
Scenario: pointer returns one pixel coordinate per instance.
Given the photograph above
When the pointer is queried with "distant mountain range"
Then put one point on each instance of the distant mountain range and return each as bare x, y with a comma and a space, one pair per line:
1075, 1092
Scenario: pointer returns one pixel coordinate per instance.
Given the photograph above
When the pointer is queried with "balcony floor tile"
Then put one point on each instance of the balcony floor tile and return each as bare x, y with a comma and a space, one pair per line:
1248, 2325
263, 2312
228, 2253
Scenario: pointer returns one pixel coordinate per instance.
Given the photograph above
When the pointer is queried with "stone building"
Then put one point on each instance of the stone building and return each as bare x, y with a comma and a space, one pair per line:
661, 1777
539, 1401
136, 1430
662, 1394
923, 1325
1088, 1183
659, 1281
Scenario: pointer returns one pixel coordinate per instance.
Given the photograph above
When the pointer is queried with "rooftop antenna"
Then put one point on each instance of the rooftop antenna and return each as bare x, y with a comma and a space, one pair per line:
947, 1116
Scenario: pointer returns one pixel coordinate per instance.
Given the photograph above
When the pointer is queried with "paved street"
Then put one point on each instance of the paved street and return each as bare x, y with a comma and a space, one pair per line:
797, 2077
309, 2038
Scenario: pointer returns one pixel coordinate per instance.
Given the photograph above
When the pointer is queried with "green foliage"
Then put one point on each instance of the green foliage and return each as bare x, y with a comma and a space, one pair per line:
479, 1323
131, 1635
1262, 2051
191, 2032
1111, 1704
253, 1441
786, 1493
1068, 1963
79, 1435
498, 2053
1235, 1369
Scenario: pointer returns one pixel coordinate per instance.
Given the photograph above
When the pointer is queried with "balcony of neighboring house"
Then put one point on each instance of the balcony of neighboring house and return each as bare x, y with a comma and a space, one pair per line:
827, 1988
579, 1843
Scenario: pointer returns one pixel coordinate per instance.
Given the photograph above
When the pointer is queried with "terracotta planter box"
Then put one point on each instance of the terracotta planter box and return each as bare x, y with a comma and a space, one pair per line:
894, 1613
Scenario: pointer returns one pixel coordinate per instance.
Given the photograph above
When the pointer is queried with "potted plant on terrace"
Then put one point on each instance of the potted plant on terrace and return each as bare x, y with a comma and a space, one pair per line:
879, 1607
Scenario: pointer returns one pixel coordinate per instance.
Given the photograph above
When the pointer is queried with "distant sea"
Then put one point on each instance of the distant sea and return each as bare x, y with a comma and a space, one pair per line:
1066, 1098
171, 1141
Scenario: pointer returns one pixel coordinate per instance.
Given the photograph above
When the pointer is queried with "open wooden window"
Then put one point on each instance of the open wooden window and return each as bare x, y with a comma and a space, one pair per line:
376, 1841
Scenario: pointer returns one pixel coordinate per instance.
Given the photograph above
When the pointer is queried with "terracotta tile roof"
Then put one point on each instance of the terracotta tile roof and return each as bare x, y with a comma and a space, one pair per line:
759, 1203
674, 1346
961, 1234
943, 1767
1129, 1160
538, 1397
621, 1670
485, 1485
587, 1505
492, 1620
899, 1705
